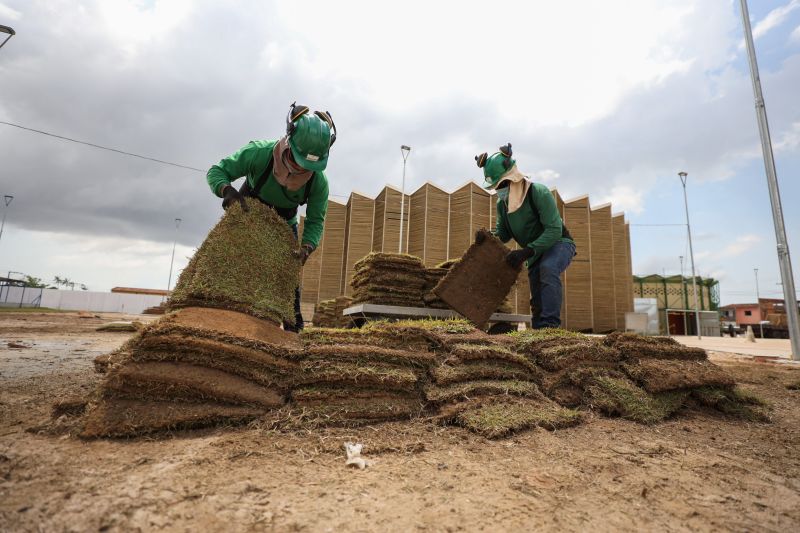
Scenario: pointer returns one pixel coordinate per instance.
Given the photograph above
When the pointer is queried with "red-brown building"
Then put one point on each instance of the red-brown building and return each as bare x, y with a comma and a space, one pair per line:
741, 314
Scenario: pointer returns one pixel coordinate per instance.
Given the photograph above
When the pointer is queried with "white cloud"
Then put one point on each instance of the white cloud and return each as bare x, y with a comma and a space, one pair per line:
774, 18
790, 139
795, 36
8, 14
742, 244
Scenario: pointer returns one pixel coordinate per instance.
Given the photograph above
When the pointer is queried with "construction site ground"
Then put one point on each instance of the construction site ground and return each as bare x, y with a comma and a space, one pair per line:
693, 472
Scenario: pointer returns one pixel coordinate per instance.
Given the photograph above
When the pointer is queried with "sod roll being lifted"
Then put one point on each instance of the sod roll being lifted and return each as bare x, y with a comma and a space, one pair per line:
245, 264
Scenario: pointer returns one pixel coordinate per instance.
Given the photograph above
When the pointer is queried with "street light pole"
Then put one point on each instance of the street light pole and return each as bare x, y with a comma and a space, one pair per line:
7, 199
785, 262
683, 177
174, 243
758, 303
404, 150
10, 31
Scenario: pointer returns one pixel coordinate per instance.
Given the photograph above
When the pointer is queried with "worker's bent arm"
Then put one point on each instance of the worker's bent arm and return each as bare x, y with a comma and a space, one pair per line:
550, 219
231, 168
501, 230
316, 210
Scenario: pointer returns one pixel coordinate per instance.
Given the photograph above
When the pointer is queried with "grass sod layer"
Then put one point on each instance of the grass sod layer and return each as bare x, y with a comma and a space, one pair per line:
366, 354
389, 279
532, 341
733, 401
446, 374
636, 346
622, 397
246, 264
478, 284
659, 375
576, 353
363, 375
500, 418
476, 352
385, 258
487, 387
117, 417
179, 381
256, 365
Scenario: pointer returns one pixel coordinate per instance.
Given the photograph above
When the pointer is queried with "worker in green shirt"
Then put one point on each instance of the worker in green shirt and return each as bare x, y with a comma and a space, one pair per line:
284, 174
527, 213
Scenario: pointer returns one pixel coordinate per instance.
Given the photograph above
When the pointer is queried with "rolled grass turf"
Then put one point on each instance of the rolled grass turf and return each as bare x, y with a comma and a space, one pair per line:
621, 397
576, 353
446, 374
116, 417
180, 381
245, 264
733, 401
501, 418
480, 388
659, 375
633, 346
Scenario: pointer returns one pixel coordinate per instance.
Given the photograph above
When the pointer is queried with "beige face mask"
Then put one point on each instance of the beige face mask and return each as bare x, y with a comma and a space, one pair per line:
282, 169
517, 188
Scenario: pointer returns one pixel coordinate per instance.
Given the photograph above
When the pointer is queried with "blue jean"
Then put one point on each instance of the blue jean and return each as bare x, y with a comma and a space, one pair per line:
545, 280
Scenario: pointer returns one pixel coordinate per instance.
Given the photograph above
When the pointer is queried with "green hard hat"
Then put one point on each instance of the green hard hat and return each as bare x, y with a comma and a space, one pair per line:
310, 137
495, 165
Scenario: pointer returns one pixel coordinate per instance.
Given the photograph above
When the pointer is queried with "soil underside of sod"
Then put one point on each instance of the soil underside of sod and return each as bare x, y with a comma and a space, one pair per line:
180, 381
477, 285
116, 417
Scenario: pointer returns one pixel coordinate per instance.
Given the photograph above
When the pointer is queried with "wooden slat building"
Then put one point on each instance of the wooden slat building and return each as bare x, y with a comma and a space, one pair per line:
598, 286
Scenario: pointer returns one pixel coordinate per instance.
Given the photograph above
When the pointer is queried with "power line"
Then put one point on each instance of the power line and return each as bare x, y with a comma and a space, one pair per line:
116, 150
101, 147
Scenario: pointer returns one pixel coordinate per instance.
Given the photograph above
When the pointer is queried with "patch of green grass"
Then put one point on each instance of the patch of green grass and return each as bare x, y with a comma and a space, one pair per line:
472, 389
619, 396
734, 401
500, 419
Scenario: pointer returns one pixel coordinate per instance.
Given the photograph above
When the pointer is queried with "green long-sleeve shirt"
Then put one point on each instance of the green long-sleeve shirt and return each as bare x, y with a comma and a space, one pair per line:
537, 224
250, 162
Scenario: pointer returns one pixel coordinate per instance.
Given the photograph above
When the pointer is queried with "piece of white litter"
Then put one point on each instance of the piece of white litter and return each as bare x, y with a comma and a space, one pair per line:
354, 459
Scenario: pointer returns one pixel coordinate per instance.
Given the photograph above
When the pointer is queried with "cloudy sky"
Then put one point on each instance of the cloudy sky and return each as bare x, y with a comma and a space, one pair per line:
609, 99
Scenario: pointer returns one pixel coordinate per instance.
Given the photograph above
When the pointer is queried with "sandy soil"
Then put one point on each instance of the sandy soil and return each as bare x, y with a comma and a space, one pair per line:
694, 472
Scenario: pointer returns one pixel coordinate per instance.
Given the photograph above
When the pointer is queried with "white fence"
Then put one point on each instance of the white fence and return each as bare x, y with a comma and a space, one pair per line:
102, 302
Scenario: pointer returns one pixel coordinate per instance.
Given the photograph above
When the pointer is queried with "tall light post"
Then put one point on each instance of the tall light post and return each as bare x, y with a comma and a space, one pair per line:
7, 199
785, 262
8, 30
404, 150
758, 303
174, 243
683, 176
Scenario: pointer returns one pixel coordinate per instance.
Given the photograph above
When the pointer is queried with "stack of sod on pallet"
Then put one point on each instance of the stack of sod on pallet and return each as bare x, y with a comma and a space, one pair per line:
389, 279
329, 313
219, 355
432, 278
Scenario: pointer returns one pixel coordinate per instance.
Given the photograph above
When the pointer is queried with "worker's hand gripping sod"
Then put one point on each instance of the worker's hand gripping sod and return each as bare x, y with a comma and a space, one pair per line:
230, 195
517, 257
303, 252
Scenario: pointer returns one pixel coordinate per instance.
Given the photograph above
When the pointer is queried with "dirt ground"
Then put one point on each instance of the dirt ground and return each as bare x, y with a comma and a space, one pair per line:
693, 472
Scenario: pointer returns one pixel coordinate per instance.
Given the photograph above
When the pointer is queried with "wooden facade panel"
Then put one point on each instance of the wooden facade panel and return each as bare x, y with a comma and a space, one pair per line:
358, 235
621, 277
629, 263
603, 283
377, 221
436, 226
310, 277
460, 222
332, 253
579, 307
418, 203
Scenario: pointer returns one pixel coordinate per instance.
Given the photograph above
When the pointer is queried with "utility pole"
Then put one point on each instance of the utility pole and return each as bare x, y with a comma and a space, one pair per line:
785, 262
7, 199
174, 243
683, 177
405, 151
758, 303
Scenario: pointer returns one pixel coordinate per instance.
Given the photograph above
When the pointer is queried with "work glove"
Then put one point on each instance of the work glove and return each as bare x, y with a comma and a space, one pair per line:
517, 257
303, 252
480, 236
230, 195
